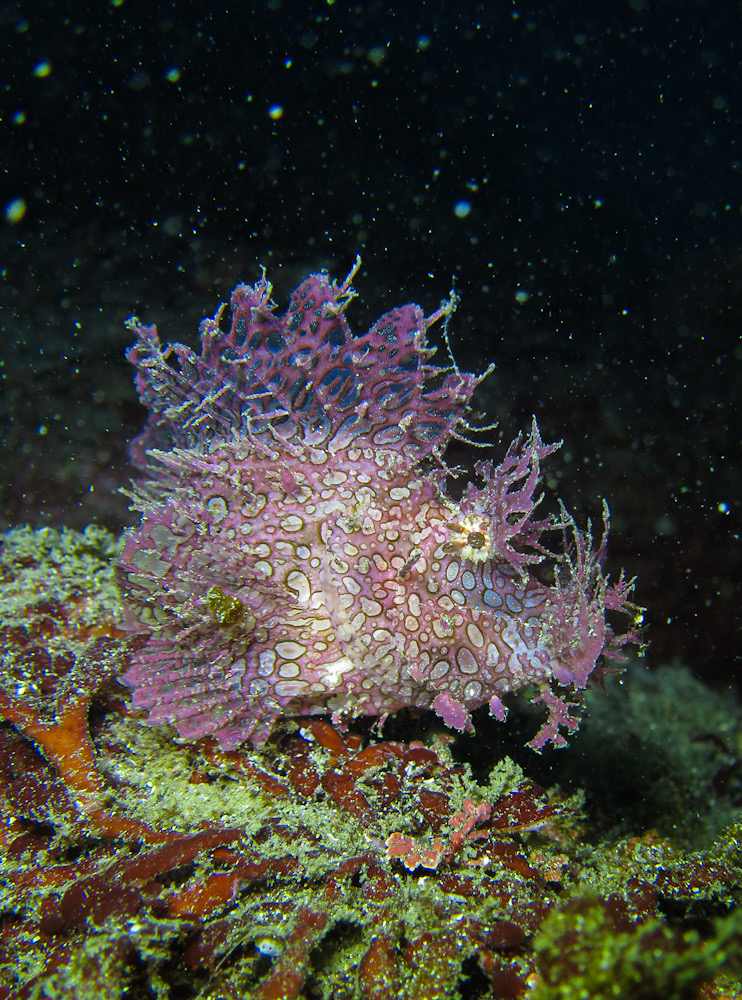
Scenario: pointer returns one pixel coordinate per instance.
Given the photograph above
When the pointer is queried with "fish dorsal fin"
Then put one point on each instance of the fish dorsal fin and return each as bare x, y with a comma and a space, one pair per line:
302, 378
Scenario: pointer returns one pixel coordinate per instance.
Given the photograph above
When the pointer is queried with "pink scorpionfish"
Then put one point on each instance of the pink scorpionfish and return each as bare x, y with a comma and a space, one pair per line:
297, 551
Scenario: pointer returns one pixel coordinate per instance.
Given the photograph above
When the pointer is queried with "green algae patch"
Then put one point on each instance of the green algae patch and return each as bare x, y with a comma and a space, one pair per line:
61, 565
657, 749
58, 594
587, 950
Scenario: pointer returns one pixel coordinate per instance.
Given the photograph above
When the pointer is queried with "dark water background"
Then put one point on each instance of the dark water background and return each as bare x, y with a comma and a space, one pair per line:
575, 168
